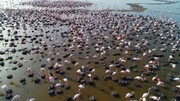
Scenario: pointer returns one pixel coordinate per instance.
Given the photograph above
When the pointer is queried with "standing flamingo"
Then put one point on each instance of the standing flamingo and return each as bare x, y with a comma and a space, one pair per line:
160, 83
4, 88
81, 86
66, 82
173, 66
128, 95
76, 96
114, 74
90, 77
154, 78
138, 78
15, 98
145, 95
178, 86
155, 98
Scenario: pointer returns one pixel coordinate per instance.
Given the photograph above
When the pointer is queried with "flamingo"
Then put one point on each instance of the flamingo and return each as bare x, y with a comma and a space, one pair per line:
15, 98
155, 98
157, 60
66, 81
138, 78
147, 67
7, 69
144, 54
4, 87
171, 57
107, 72
51, 79
79, 72
160, 83
49, 60
145, 95
177, 79
76, 96
128, 95
122, 60
114, 74
31, 99
123, 72
93, 71
29, 70
43, 70
57, 85
178, 86
143, 99
155, 77
81, 86
90, 77
173, 66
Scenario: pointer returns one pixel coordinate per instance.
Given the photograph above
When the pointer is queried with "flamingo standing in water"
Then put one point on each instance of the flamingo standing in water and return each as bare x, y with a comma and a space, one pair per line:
81, 86
7, 69
145, 95
76, 96
177, 79
93, 72
43, 70
173, 66
138, 78
90, 77
123, 61
4, 88
155, 98
16, 98
114, 74
178, 86
160, 83
66, 82
31, 99
107, 72
146, 67
154, 78
123, 72
128, 95
49, 61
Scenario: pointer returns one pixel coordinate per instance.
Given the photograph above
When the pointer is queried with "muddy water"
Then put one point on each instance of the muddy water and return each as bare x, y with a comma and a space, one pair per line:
101, 90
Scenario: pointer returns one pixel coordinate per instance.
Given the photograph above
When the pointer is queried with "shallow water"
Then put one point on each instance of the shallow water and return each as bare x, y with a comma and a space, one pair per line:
102, 89
159, 8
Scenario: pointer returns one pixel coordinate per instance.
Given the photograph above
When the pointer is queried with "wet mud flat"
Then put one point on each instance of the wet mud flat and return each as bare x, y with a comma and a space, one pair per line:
102, 51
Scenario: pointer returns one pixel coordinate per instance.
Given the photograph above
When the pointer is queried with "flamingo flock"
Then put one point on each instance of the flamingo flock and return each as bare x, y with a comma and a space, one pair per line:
92, 51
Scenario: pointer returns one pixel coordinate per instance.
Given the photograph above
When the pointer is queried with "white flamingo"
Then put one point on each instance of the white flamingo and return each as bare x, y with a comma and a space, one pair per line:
93, 71
4, 87
66, 81
145, 95
173, 66
31, 99
15, 98
155, 77
81, 86
155, 98
130, 94
177, 79
178, 86
76, 96
143, 99
123, 72
90, 77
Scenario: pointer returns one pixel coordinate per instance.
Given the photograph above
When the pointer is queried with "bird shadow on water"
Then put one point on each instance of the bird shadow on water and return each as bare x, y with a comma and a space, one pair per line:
12, 83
